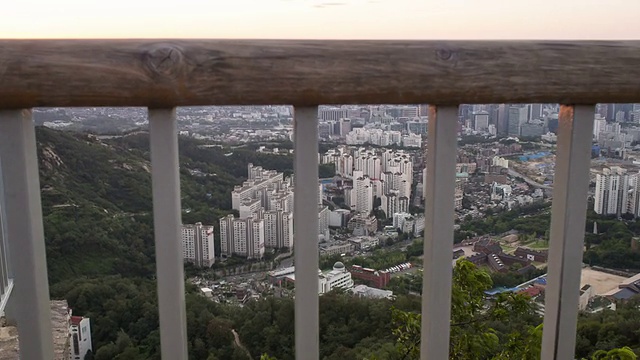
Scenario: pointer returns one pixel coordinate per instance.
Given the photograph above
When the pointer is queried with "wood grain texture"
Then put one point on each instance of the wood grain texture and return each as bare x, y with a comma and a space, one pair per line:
167, 73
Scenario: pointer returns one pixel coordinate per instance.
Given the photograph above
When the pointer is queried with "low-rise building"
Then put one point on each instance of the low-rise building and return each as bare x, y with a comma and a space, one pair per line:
532, 255
336, 248
629, 288
364, 242
375, 278
338, 277
371, 292
487, 246
80, 331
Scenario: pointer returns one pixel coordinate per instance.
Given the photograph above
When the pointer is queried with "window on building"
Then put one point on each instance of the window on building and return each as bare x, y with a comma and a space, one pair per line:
76, 345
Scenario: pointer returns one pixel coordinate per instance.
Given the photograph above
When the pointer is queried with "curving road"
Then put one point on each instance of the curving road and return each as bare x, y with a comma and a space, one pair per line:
530, 181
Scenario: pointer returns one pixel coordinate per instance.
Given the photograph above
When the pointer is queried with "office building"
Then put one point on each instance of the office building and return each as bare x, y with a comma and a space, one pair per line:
535, 112
335, 114
502, 126
481, 121
517, 117
531, 130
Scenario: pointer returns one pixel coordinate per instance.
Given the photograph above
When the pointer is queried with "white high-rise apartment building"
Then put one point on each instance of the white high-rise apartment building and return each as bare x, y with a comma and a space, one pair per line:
599, 125
259, 181
389, 204
612, 191
247, 237
197, 244
278, 229
249, 207
402, 183
323, 221
243, 237
227, 241
343, 162
369, 164
363, 194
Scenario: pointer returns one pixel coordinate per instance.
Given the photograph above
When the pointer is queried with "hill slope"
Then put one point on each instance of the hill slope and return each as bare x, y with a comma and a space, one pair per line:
97, 202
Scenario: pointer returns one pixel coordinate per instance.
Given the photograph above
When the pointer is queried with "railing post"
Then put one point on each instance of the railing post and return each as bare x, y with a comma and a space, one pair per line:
305, 222
568, 218
438, 241
6, 277
167, 224
25, 234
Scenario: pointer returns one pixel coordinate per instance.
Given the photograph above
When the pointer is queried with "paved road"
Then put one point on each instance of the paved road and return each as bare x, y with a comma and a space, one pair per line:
530, 181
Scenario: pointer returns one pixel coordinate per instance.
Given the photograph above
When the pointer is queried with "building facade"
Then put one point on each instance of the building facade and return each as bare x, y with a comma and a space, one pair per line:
80, 332
278, 229
612, 191
198, 245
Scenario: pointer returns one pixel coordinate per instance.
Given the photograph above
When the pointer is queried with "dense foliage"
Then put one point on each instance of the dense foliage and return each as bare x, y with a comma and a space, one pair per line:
534, 218
611, 246
609, 329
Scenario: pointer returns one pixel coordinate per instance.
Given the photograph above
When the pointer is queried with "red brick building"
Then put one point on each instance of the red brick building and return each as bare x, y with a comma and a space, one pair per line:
375, 278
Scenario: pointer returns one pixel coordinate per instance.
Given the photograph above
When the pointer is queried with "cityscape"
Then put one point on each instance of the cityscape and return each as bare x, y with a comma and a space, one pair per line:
238, 239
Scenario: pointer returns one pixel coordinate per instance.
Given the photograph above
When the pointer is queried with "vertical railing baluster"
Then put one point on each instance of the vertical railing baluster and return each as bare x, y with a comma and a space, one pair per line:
25, 232
167, 223
5, 266
305, 222
568, 218
438, 240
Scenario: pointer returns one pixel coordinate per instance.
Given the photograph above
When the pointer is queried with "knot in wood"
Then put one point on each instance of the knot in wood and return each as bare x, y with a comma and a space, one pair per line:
165, 60
444, 54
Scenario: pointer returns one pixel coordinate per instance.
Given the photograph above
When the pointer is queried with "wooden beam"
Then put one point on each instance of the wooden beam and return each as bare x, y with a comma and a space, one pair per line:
167, 73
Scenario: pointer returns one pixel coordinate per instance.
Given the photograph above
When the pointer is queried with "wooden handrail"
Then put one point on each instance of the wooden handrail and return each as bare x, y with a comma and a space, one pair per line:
166, 73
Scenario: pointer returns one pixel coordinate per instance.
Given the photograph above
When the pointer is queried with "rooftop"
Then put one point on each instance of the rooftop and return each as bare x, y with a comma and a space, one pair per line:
371, 292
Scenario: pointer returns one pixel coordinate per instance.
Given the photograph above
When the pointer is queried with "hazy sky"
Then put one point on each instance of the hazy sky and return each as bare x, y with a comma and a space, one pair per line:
322, 19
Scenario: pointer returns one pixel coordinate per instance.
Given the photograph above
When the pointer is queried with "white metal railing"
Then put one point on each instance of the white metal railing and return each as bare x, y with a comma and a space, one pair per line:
6, 277
25, 234
177, 74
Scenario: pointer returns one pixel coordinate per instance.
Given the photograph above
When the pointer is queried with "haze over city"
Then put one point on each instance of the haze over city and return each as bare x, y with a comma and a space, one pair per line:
322, 19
